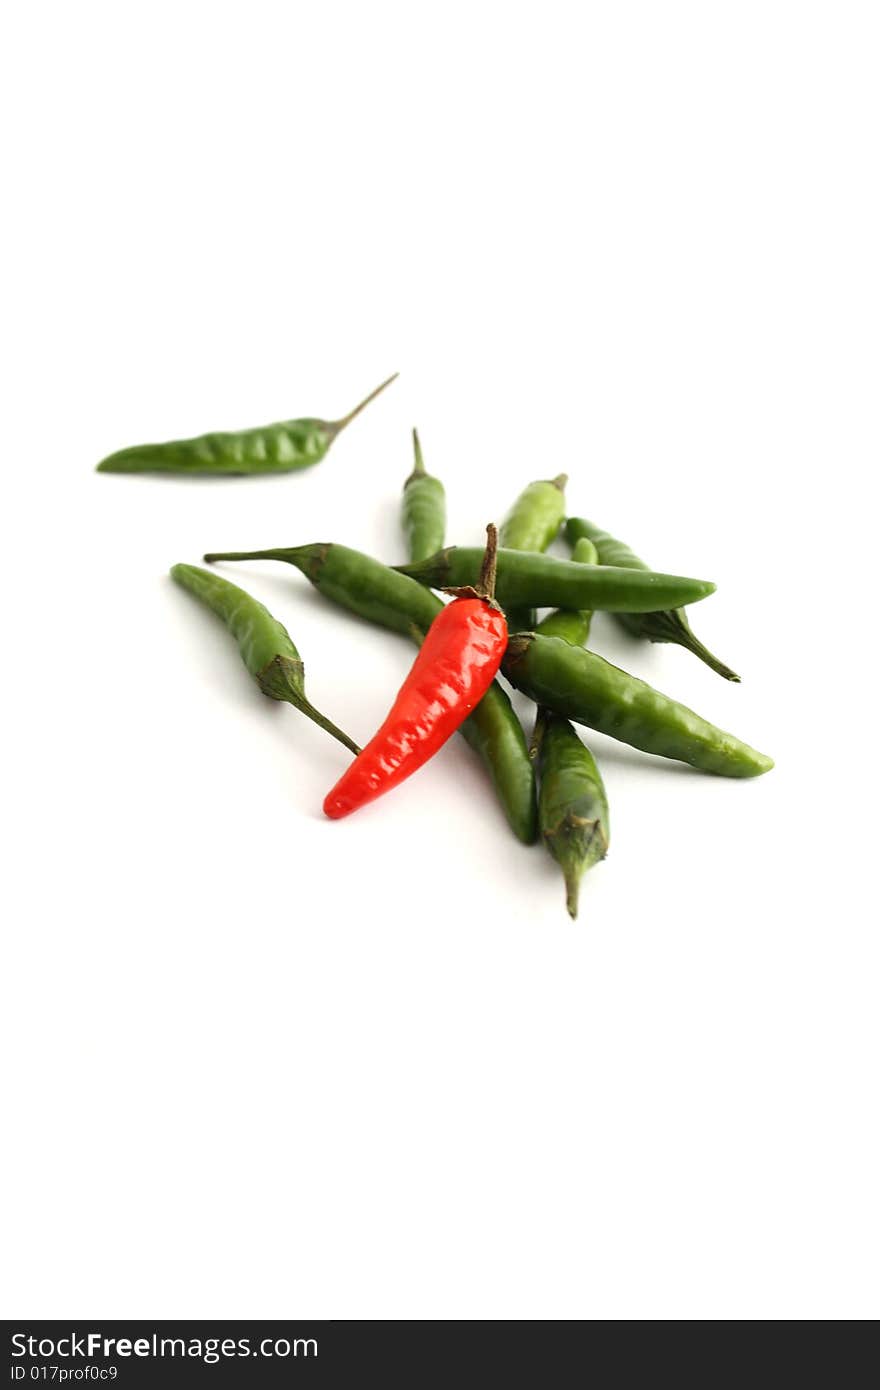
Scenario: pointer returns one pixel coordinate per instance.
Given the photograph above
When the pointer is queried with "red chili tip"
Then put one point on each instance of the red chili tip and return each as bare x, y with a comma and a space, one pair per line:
337, 806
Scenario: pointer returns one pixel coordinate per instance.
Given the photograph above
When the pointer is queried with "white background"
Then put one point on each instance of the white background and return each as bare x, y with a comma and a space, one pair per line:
259, 1064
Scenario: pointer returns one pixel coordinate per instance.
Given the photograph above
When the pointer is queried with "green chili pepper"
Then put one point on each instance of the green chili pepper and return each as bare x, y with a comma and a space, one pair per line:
280, 448
582, 686
572, 805
669, 625
266, 647
391, 600
355, 581
531, 524
529, 580
496, 735
424, 509
572, 624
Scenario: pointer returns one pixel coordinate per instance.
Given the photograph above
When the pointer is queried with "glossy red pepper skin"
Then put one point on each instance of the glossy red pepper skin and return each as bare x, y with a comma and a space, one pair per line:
455, 666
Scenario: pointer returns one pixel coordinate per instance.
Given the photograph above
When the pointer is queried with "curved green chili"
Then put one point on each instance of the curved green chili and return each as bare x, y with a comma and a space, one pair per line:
572, 805
266, 647
529, 580
383, 596
423, 509
582, 686
669, 625
531, 524
284, 447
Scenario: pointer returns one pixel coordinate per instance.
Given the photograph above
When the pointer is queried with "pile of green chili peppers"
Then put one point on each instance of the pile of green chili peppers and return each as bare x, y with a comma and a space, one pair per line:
550, 786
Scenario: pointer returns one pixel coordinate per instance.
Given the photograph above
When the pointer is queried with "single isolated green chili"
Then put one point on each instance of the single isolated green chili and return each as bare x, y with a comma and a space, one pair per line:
531, 524
391, 600
284, 447
266, 647
572, 804
582, 686
668, 625
423, 509
529, 580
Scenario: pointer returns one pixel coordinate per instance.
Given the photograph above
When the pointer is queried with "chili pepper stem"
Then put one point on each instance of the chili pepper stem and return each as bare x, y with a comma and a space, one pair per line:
486, 581
307, 708
485, 585
336, 426
687, 639
419, 464
246, 555
572, 878
572, 891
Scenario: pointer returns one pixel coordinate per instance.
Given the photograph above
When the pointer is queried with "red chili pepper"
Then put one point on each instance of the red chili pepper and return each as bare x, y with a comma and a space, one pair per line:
455, 666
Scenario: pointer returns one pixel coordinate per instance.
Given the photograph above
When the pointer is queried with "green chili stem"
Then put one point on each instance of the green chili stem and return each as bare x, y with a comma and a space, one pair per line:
339, 425
306, 707
692, 643
419, 465
246, 555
